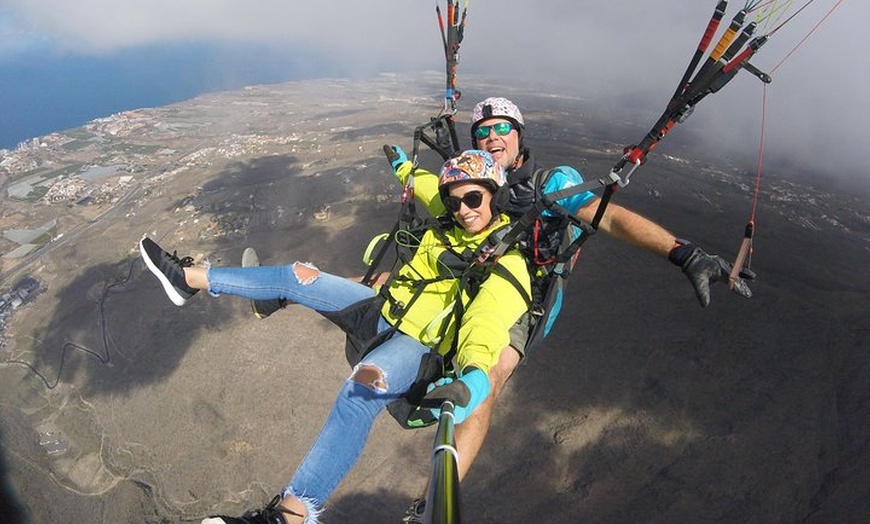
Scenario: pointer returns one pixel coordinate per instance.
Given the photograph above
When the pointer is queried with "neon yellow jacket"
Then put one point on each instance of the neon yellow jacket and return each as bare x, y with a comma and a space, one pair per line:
487, 319
425, 187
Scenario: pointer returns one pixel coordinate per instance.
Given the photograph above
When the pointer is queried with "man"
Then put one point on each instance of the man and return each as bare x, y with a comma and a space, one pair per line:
497, 126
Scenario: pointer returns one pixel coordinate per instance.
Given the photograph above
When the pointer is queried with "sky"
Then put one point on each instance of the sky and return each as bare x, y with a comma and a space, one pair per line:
71, 59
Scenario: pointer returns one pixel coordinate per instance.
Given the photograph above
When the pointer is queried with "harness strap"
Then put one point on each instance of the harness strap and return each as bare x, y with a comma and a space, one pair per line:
397, 308
446, 141
519, 229
502, 271
552, 196
368, 279
481, 273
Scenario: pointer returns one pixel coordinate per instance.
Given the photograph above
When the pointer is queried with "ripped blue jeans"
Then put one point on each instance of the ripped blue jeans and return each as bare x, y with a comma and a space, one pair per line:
384, 375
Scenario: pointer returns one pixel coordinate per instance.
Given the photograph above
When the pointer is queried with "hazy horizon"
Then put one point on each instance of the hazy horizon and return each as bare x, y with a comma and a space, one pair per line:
63, 64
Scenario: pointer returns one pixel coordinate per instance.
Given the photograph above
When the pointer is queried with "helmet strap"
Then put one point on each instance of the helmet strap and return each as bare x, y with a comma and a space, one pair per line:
520, 158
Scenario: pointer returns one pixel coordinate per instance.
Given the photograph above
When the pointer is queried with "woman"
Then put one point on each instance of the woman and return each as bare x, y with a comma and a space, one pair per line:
418, 307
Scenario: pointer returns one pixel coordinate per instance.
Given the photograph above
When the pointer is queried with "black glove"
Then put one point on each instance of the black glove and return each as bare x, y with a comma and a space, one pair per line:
702, 269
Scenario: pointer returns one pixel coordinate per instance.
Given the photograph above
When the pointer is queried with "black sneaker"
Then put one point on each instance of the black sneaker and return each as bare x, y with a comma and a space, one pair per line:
169, 269
414, 513
261, 308
271, 514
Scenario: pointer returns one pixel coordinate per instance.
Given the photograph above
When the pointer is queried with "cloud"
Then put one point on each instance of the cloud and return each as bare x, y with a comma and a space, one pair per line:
608, 48
104, 26
814, 104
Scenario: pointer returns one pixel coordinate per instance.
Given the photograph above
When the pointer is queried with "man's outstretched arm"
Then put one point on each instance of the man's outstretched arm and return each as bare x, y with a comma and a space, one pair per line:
700, 268
630, 227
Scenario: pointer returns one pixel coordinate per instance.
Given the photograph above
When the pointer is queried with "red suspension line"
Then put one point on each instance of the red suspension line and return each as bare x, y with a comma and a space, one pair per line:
805, 38
760, 155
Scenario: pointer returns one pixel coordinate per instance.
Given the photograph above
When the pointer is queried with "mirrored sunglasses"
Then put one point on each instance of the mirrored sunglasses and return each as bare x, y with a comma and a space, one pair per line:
501, 129
472, 200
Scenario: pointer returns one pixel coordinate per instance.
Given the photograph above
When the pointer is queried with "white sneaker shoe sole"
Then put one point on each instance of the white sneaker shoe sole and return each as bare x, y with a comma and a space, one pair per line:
173, 295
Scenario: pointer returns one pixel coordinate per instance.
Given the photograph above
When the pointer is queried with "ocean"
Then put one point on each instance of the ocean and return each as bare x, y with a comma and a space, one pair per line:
41, 93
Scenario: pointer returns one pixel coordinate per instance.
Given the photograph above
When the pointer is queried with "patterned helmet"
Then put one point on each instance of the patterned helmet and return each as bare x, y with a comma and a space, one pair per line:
496, 107
472, 165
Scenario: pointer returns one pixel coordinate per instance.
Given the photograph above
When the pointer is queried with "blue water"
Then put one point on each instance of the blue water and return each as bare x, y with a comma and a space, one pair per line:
41, 93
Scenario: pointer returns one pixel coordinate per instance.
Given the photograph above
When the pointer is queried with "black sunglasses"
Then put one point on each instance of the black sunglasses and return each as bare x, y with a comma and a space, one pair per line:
500, 128
472, 199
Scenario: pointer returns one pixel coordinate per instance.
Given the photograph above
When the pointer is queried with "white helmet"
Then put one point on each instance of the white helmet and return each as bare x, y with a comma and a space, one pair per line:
496, 107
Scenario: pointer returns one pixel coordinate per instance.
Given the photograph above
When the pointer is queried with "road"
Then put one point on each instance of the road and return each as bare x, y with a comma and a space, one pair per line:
8, 276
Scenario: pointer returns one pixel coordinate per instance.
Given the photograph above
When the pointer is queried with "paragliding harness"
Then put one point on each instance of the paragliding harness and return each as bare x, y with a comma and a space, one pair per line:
439, 134
551, 251
360, 320
550, 237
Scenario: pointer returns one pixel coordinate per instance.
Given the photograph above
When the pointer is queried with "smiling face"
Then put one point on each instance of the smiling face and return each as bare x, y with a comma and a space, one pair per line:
472, 219
505, 149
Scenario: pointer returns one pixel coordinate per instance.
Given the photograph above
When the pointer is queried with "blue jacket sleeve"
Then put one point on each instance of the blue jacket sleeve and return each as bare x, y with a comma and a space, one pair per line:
564, 177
